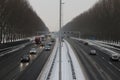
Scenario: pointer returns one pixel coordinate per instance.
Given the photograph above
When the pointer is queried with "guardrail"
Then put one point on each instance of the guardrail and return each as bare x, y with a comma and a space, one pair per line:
46, 71
8, 46
12, 49
49, 74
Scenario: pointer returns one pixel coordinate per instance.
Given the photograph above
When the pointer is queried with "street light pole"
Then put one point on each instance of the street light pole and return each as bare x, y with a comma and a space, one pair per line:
60, 75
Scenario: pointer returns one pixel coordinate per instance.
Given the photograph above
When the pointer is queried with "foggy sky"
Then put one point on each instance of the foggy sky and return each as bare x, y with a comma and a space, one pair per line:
48, 10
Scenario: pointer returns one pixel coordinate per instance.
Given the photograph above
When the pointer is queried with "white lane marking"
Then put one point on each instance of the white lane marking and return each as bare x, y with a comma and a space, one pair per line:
95, 65
103, 58
12, 50
114, 66
111, 64
16, 48
109, 69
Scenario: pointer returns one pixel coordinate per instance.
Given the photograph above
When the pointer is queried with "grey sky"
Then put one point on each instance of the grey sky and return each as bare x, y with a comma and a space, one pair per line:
48, 10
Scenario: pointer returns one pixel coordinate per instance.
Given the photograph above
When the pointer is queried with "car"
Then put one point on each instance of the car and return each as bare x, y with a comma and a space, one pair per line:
47, 48
42, 45
50, 43
115, 57
93, 52
85, 43
33, 51
52, 40
25, 58
62, 40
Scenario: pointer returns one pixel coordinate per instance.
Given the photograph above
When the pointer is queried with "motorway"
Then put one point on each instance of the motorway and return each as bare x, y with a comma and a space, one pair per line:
12, 69
96, 67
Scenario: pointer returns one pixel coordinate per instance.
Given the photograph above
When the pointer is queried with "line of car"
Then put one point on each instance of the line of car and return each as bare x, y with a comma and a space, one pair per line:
26, 57
113, 56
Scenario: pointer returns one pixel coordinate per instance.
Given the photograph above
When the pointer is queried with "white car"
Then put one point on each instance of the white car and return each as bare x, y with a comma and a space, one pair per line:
47, 48
115, 56
33, 51
50, 43
92, 52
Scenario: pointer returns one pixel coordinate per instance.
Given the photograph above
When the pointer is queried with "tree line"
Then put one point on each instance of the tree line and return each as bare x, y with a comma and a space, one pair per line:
18, 20
102, 21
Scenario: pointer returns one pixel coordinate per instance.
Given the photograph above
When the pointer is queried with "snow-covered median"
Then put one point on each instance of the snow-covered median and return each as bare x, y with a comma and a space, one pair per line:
77, 67
68, 57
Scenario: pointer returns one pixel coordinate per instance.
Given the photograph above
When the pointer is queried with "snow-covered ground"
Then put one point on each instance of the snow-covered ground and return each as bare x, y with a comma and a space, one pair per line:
45, 71
69, 62
66, 67
77, 66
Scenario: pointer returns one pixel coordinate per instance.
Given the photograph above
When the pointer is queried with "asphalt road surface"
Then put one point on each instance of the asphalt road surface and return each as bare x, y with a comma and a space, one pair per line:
12, 69
96, 67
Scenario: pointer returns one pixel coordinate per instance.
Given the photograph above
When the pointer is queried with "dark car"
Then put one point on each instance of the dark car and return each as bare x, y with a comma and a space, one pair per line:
42, 45
52, 40
85, 43
25, 58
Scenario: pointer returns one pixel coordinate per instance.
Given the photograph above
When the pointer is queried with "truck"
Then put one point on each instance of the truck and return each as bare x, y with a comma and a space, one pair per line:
37, 40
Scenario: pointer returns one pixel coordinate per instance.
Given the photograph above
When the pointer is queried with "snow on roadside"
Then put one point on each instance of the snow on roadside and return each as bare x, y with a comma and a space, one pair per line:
66, 65
99, 46
45, 71
65, 68
77, 67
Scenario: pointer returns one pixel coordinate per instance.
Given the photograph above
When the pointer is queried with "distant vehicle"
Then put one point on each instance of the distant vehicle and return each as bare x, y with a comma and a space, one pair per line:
37, 40
47, 47
42, 37
49, 36
33, 51
25, 58
42, 45
50, 44
52, 40
85, 43
115, 56
92, 52
67, 36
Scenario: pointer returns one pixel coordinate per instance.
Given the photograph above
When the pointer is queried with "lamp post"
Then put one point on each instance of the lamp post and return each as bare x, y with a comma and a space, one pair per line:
60, 25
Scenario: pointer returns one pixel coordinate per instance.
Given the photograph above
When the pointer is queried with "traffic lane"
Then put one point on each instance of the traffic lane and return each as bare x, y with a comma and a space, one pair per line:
12, 45
103, 61
10, 64
110, 47
89, 67
104, 55
33, 70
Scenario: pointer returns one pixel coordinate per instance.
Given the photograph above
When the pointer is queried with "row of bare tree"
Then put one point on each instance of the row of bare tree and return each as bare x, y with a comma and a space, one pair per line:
102, 21
18, 20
